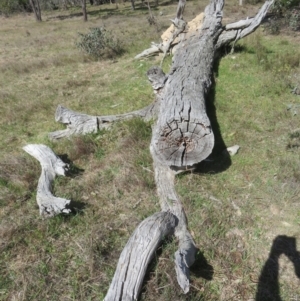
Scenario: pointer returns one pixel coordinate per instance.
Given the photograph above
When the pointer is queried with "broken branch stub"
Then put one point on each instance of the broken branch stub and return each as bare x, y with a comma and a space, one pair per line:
81, 124
49, 205
77, 123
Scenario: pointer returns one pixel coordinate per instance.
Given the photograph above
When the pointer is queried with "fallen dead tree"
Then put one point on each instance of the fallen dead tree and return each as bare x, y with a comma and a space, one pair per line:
181, 137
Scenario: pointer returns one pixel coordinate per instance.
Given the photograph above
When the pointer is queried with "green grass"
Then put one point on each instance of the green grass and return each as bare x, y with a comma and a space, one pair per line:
236, 207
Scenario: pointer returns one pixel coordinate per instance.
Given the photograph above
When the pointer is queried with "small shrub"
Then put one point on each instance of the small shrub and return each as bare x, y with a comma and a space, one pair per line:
281, 6
292, 18
254, 44
260, 50
274, 26
294, 139
286, 13
13, 6
99, 43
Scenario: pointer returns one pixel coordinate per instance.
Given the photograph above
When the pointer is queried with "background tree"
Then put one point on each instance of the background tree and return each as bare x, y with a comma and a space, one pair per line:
36, 9
83, 5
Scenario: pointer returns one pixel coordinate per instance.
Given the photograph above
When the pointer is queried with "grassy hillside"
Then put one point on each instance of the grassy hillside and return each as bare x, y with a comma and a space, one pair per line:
236, 206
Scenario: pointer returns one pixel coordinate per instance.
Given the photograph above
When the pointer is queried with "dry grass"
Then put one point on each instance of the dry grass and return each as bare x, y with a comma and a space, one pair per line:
236, 206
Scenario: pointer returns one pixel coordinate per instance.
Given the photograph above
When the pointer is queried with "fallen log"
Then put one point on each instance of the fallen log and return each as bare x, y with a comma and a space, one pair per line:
181, 137
52, 165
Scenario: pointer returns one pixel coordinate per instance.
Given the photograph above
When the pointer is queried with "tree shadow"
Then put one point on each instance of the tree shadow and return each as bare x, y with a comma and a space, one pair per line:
268, 285
101, 12
201, 268
67, 16
167, 3
73, 171
76, 207
106, 11
219, 160
112, 11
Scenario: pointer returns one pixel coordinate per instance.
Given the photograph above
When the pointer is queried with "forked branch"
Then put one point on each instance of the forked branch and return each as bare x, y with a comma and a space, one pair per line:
238, 30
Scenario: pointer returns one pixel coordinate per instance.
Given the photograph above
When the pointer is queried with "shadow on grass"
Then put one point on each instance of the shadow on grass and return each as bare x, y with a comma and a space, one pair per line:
73, 171
219, 160
67, 16
103, 12
201, 268
76, 207
268, 285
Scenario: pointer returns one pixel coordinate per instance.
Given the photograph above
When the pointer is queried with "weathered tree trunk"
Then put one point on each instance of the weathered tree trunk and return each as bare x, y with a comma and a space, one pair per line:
51, 166
181, 137
83, 5
35, 4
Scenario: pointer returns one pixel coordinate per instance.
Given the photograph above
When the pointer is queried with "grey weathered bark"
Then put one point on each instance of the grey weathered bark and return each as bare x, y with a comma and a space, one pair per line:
78, 123
181, 136
170, 202
35, 5
137, 254
51, 166
180, 9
